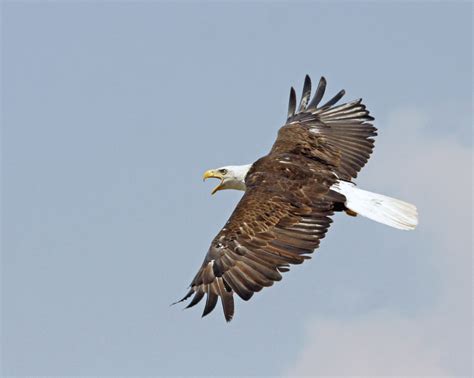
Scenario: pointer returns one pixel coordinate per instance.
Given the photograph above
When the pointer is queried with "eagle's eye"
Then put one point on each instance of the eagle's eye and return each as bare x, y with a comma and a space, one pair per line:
223, 171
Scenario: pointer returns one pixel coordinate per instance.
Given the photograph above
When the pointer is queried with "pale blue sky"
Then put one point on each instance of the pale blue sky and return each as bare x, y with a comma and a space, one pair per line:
111, 111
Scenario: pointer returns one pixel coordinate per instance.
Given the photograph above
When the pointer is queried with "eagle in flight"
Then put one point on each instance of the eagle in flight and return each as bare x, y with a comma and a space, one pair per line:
290, 196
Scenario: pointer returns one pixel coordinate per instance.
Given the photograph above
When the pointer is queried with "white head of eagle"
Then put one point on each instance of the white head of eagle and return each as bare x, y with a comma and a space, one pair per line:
232, 177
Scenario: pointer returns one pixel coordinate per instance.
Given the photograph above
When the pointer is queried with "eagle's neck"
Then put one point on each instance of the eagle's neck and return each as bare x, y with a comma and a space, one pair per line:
238, 175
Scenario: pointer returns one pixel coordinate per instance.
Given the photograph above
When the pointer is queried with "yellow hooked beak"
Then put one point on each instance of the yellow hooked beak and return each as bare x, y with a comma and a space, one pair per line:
214, 174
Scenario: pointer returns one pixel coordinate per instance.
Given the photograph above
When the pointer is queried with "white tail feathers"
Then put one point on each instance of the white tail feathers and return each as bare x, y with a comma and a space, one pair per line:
380, 208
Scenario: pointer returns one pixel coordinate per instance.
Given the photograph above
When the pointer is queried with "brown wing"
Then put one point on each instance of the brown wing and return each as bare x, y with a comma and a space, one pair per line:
281, 218
340, 136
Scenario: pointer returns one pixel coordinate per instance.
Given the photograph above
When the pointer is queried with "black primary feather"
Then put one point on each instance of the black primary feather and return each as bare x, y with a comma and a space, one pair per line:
335, 99
211, 301
306, 94
319, 94
292, 103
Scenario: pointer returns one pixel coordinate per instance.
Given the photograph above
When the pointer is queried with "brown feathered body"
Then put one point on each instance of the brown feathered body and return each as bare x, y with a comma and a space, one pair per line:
288, 202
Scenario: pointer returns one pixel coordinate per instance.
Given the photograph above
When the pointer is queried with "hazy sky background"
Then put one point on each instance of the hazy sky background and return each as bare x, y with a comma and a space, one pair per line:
112, 111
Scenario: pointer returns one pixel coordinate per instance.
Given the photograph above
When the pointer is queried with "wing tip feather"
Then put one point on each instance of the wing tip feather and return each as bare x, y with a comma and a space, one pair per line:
292, 103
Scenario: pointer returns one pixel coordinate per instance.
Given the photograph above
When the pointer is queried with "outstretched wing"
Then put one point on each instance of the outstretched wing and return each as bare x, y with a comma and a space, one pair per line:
341, 136
281, 218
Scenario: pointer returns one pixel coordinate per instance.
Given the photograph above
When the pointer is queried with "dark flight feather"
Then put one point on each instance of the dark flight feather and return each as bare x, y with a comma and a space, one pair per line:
196, 299
211, 300
306, 94
319, 94
335, 99
227, 300
292, 103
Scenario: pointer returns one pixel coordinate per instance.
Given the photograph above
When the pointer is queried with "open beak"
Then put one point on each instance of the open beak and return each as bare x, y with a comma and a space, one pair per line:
213, 174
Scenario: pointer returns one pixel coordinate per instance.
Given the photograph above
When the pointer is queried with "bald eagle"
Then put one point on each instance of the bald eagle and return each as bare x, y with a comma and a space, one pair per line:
290, 196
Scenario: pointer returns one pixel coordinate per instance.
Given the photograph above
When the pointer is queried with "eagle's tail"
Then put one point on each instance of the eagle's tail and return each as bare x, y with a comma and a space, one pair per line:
380, 208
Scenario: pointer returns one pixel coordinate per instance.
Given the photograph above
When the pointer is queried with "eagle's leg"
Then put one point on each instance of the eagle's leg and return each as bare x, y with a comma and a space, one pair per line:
350, 212
339, 206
